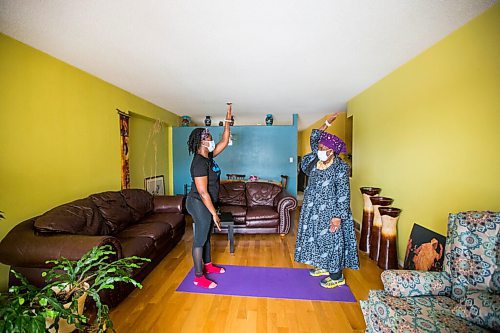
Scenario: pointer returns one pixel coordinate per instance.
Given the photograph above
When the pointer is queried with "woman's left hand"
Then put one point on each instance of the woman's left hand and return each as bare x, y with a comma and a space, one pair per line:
334, 224
229, 112
222, 144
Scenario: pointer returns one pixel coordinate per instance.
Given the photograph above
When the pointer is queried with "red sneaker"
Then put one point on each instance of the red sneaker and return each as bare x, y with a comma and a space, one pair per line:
210, 268
203, 282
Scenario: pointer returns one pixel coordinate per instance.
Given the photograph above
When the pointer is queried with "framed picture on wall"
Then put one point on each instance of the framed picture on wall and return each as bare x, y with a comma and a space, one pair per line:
425, 250
155, 185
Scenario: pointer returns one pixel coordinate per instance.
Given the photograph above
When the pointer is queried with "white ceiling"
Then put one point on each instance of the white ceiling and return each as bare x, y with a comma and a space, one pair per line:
273, 56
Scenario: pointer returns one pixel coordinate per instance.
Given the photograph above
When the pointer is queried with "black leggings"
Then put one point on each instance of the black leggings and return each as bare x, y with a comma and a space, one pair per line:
202, 219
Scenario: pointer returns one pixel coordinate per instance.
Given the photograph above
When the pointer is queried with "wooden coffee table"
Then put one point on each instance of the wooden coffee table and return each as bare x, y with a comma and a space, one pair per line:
226, 221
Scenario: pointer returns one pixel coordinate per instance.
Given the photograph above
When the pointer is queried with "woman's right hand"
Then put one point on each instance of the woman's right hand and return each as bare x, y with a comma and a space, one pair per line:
216, 221
329, 120
333, 116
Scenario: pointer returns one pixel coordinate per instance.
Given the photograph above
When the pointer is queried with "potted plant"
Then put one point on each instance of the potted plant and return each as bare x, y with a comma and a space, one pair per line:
29, 309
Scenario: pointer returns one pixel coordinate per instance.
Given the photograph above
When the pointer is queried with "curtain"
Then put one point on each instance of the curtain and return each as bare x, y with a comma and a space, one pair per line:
124, 118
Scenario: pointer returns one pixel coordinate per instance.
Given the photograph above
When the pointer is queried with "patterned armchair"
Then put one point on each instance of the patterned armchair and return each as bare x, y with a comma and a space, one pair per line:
465, 297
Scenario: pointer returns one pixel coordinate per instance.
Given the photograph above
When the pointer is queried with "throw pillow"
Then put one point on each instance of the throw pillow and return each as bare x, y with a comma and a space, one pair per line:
80, 217
139, 201
114, 209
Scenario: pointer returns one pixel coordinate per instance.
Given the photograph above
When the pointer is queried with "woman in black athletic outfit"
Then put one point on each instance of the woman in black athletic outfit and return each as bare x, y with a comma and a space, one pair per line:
204, 193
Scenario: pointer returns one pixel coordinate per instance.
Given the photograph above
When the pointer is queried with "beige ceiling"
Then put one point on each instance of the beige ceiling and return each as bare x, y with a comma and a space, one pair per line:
279, 57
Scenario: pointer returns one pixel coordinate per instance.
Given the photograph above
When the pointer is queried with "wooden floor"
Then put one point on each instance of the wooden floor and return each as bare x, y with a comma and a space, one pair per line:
158, 308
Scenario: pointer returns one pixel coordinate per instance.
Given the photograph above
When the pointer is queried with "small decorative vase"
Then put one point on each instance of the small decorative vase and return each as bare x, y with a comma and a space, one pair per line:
221, 123
185, 121
232, 121
269, 119
208, 121
388, 257
366, 224
377, 225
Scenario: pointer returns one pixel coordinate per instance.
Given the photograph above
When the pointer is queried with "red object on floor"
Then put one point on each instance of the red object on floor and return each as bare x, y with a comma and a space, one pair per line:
210, 268
203, 282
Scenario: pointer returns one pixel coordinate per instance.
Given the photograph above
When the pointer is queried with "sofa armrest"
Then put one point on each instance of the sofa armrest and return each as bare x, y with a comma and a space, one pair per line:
168, 204
22, 247
403, 283
284, 203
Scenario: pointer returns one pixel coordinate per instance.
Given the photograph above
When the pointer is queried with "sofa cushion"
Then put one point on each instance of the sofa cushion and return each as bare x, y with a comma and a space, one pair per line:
481, 308
137, 246
80, 217
263, 223
156, 231
176, 221
114, 209
261, 194
237, 211
232, 193
401, 283
139, 201
261, 213
385, 313
472, 251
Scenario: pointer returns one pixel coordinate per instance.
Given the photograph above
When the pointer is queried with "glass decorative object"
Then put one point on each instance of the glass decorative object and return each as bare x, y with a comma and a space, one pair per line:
185, 121
269, 119
208, 121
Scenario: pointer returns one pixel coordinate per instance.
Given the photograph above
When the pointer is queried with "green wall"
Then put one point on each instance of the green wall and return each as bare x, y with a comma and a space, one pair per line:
59, 134
150, 151
428, 133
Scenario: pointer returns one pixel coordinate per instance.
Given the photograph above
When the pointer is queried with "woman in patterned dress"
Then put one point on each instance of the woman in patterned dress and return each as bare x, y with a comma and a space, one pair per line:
325, 236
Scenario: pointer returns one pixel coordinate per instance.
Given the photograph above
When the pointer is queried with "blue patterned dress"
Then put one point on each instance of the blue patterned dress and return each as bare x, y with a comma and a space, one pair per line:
326, 196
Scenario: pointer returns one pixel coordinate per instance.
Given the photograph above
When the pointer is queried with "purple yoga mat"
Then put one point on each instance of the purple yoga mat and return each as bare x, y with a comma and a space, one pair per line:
268, 282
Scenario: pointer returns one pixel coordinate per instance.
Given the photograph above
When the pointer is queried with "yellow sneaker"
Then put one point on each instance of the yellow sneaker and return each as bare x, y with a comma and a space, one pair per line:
328, 282
318, 272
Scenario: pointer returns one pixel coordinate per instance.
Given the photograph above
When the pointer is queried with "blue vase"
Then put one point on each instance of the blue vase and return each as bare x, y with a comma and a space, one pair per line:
269, 119
185, 121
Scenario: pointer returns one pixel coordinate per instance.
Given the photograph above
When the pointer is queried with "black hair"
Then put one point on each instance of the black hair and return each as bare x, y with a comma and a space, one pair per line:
194, 140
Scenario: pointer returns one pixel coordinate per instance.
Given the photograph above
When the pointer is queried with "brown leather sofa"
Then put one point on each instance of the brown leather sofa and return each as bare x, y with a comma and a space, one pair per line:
257, 207
132, 221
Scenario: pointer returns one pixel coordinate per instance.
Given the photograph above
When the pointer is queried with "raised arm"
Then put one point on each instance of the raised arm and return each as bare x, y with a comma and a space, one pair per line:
310, 159
316, 133
222, 144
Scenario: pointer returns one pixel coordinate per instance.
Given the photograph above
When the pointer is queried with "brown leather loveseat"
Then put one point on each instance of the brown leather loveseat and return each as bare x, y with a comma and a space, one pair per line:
257, 207
132, 221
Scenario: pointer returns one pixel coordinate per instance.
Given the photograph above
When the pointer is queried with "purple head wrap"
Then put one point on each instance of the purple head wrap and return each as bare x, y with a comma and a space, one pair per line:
205, 134
333, 142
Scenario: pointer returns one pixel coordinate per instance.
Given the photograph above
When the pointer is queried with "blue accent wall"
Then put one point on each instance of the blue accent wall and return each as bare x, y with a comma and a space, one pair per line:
263, 151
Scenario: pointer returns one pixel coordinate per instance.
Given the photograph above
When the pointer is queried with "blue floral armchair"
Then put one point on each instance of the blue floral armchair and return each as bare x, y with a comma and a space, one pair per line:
464, 297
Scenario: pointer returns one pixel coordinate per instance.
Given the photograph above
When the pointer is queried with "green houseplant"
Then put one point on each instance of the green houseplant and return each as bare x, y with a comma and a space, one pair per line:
29, 309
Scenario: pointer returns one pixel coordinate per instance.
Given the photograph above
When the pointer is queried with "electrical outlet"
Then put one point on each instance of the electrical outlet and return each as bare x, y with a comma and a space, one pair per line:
291, 159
